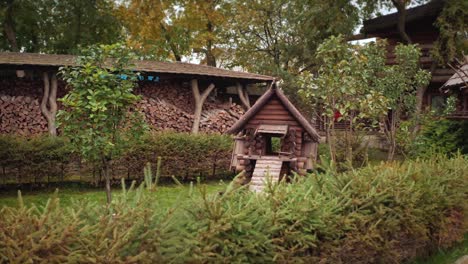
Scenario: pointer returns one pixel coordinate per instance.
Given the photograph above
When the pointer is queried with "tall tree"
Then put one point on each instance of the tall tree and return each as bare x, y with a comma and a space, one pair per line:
279, 36
172, 29
206, 20
57, 26
154, 28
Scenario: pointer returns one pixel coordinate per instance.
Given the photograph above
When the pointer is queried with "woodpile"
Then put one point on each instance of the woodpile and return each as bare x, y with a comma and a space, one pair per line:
220, 120
165, 105
160, 115
21, 115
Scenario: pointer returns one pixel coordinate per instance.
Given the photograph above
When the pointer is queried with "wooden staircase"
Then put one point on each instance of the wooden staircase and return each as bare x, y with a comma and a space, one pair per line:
266, 169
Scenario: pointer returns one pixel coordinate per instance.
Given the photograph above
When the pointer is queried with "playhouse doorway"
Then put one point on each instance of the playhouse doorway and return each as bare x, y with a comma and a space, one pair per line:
273, 138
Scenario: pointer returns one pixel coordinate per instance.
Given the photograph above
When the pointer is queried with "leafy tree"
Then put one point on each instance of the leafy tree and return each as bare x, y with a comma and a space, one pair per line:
57, 26
176, 28
344, 88
279, 37
453, 32
96, 117
399, 84
154, 27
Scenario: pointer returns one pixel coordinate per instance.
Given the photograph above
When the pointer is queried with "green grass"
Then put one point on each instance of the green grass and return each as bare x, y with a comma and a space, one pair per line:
167, 195
448, 256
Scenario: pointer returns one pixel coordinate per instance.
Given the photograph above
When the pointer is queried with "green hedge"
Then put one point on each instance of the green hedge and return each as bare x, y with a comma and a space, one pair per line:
389, 213
33, 159
42, 158
183, 155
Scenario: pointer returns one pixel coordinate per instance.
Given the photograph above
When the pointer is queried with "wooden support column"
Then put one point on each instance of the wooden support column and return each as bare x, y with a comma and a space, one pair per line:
243, 95
49, 101
199, 101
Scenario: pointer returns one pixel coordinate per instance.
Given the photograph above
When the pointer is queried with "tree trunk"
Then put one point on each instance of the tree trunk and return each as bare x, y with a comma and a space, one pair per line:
105, 171
167, 37
401, 10
49, 102
199, 100
392, 135
9, 27
243, 95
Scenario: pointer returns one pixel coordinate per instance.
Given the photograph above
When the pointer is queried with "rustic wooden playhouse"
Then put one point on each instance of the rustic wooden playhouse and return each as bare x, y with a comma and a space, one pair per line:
273, 139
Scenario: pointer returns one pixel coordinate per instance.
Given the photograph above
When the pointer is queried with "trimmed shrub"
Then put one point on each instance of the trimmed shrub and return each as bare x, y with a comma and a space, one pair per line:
389, 213
184, 155
31, 159
42, 159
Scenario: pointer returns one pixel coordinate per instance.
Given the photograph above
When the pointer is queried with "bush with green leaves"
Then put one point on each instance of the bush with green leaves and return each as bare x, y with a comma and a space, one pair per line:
33, 159
390, 213
43, 159
183, 155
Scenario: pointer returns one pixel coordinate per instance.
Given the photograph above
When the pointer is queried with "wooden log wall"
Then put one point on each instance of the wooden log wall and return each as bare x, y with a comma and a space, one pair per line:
274, 113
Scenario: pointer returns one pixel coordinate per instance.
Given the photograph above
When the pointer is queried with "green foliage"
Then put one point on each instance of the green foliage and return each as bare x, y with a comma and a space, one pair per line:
452, 24
390, 213
184, 155
281, 36
96, 117
346, 83
59, 26
187, 156
440, 136
31, 159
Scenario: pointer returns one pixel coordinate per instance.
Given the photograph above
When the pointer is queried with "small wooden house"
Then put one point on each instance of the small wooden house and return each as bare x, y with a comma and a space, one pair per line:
273, 138
457, 86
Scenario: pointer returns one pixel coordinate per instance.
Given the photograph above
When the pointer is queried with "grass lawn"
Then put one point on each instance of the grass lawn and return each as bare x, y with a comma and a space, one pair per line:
166, 195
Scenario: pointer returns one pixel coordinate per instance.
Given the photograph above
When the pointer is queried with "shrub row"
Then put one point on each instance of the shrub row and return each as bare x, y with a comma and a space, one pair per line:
389, 213
183, 155
33, 159
43, 159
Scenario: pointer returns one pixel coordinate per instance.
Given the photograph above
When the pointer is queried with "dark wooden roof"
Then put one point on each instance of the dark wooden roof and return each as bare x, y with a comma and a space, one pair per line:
262, 101
382, 23
53, 60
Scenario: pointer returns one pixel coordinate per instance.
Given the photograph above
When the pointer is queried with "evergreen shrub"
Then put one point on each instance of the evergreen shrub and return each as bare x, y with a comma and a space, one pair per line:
389, 213
441, 136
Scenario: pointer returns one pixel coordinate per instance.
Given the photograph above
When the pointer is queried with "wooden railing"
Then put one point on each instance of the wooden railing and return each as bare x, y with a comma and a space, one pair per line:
459, 114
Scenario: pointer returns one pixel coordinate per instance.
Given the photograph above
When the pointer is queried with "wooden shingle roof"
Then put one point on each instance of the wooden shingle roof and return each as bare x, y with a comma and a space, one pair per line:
54, 60
262, 101
460, 78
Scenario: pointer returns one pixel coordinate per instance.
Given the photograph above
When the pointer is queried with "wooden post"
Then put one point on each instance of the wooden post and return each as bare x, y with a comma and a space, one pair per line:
243, 95
199, 100
49, 101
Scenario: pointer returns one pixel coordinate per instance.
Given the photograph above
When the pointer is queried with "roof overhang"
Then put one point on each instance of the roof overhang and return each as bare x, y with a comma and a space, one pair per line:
20, 61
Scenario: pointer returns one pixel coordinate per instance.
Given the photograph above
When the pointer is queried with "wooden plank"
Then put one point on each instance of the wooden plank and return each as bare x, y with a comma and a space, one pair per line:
274, 122
274, 107
274, 117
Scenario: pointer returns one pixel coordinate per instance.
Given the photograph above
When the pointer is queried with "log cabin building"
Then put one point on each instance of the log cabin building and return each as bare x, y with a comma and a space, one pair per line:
421, 29
171, 93
457, 86
273, 139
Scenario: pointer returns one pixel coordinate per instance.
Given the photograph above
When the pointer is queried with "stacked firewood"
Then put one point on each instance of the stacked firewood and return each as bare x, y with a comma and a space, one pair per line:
171, 92
160, 115
21, 115
165, 105
220, 120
